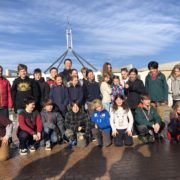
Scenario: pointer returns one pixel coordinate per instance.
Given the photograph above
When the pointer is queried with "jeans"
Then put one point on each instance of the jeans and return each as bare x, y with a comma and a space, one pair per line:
107, 106
25, 139
50, 135
122, 137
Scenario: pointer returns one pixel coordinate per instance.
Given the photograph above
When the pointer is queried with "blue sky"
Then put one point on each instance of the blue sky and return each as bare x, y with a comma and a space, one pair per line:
121, 32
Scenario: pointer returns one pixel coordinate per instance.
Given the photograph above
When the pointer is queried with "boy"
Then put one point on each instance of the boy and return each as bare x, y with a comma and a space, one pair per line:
148, 121
43, 88
53, 72
23, 87
101, 120
52, 123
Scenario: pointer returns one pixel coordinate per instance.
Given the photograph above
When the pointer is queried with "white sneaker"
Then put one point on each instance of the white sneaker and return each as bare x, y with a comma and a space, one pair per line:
23, 152
48, 146
32, 149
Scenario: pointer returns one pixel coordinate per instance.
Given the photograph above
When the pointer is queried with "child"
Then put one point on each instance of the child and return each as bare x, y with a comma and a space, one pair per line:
53, 72
22, 88
30, 127
121, 120
117, 89
174, 125
43, 88
148, 121
106, 91
75, 91
101, 120
5, 134
52, 123
77, 125
59, 95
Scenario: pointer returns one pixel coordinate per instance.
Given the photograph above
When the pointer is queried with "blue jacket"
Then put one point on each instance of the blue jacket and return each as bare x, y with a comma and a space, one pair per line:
102, 119
75, 93
59, 96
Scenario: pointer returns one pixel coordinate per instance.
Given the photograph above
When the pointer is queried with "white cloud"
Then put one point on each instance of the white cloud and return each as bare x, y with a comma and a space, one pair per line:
113, 29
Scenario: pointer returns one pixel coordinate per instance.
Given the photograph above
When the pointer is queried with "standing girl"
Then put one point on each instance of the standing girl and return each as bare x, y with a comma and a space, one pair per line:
106, 91
121, 120
59, 95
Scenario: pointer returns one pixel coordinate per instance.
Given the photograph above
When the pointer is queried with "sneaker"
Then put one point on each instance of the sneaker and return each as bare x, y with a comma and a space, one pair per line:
48, 146
150, 139
32, 149
23, 152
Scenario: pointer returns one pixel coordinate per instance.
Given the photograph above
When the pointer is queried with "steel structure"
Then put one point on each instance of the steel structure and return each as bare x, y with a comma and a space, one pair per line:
62, 57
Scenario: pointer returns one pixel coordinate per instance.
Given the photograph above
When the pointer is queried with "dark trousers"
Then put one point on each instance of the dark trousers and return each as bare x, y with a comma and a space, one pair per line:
174, 128
25, 139
123, 138
143, 130
103, 138
4, 112
50, 135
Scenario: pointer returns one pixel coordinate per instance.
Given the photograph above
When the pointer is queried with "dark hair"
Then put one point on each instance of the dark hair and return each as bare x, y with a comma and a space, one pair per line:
153, 64
145, 97
75, 102
53, 68
29, 100
1, 67
115, 77
124, 69
124, 104
89, 71
47, 102
58, 75
21, 67
67, 60
73, 70
133, 70
37, 70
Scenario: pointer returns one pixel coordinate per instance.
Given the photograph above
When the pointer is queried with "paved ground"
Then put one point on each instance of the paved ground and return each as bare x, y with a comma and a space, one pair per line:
155, 161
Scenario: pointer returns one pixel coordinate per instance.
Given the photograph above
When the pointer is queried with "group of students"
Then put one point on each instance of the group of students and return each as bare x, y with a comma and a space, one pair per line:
77, 111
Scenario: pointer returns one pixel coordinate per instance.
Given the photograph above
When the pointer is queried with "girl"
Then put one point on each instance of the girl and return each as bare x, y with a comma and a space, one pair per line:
77, 125
121, 122
106, 91
174, 84
174, 125
75, 91
107, 69
30, 127
102, 129
59, 95
52, 123
117, 89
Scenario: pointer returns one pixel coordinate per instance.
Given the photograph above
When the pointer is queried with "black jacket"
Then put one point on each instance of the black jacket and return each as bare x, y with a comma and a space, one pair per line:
91, 91
134, 92
44, 90
66, 76
21, 89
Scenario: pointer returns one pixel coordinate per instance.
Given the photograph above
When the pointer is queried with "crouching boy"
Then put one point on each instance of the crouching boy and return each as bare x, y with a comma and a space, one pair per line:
52, 124
148, 122
30, 127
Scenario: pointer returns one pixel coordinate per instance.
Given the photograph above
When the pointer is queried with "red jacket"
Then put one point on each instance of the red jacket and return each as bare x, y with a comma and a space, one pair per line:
30, 122
5, 93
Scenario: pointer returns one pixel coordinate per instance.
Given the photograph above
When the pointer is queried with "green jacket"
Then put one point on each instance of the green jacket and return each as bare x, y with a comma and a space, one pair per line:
141, 115
158, 88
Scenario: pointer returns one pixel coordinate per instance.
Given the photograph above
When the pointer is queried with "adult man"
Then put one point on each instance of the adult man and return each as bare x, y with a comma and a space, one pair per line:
66, 73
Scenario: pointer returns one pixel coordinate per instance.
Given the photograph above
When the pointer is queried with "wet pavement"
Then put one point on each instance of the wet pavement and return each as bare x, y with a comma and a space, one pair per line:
151, 162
